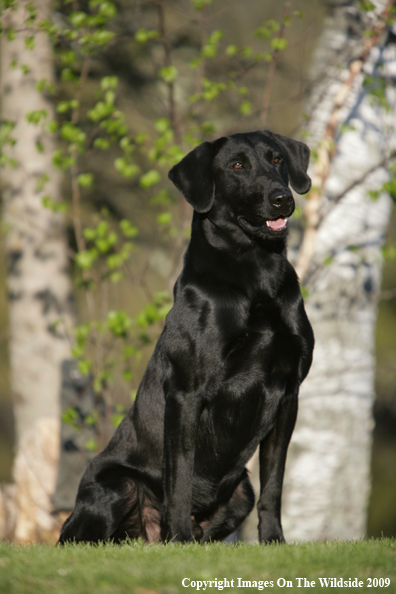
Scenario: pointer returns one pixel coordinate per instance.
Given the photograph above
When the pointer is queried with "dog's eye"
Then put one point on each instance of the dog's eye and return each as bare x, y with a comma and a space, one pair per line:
238, 165
277, 160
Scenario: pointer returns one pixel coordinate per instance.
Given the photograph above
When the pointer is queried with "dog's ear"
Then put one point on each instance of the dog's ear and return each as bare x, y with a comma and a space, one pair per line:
193, 177
296, 155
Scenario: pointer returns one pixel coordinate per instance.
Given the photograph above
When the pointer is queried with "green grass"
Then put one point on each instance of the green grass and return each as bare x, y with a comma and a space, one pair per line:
147, 569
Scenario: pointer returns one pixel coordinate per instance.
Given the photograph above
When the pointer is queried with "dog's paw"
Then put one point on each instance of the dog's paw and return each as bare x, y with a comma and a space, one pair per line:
273, 538
271, 532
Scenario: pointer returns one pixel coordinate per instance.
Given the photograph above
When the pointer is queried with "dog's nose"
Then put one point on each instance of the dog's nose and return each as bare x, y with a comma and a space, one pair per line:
284, 199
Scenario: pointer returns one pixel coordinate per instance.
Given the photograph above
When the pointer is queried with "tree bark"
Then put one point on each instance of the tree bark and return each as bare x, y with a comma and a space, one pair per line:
327, 483
39, 288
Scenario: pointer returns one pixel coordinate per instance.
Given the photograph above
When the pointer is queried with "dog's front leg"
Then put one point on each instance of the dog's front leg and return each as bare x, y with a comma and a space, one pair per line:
273, 450
182, 413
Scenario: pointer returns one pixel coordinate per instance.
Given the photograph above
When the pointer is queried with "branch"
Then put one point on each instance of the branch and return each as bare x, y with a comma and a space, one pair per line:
271, 71
359, 181
168, 62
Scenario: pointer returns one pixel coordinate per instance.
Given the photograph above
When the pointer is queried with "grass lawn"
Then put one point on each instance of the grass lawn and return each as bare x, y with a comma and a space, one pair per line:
148, 569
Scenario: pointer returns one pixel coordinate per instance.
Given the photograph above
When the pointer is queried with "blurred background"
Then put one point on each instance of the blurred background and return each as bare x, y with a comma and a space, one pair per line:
170, 75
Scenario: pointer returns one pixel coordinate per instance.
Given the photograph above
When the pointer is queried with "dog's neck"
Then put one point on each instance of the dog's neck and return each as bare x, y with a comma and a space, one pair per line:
255, 266
230, 238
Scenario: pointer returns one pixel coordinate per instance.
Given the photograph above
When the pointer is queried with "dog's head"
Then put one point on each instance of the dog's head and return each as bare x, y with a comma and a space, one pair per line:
243, 180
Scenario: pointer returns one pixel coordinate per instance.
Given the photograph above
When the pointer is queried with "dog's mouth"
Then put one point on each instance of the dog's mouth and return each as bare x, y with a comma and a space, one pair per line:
275, 225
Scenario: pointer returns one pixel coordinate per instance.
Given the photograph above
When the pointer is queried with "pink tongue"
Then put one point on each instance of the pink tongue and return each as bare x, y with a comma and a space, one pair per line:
277, 224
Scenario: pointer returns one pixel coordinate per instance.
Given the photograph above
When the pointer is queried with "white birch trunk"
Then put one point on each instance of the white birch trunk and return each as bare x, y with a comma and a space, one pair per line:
38, 286
327, 483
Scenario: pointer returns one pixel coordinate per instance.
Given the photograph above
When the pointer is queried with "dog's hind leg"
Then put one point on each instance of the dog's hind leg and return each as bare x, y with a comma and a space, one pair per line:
104, 501
229, 516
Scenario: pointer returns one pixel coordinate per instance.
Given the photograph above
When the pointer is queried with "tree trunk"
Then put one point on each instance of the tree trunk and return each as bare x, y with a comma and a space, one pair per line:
39, 287
327, 483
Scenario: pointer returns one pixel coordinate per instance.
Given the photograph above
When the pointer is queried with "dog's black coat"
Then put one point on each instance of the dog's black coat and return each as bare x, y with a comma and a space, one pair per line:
225, 374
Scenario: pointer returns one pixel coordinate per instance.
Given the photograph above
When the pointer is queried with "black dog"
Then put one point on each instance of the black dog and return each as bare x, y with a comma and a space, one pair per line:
225, 374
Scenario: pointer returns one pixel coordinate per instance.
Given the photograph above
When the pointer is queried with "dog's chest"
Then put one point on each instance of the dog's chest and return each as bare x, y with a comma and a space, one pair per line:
260, 325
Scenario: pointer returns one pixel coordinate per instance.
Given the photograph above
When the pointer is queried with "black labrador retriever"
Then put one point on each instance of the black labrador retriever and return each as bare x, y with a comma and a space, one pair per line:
225, 374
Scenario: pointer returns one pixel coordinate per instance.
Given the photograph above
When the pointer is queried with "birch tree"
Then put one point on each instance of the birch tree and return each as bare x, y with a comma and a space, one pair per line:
39, 289
352, 129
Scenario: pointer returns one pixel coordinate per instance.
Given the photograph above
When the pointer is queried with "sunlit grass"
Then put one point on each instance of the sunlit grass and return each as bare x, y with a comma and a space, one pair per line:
145, 569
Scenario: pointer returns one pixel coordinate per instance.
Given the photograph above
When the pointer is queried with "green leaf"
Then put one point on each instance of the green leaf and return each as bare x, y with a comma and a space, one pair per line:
366, 6
141, 138
11, 34
98, 38
106, 243
102, 229
85, 180
44, 85
127, 375
89, 234
84, 366
118, 323
390, 187
91, 445
116, 419
201, 4
116, 276
162, 125
29, 43
86, 259
144, 35
100, 111
65, 106
109, 82
279, 44
231, 50
262, 32
128, 229
168, 73
126, 168
149, 179
101, 143
68, 74
247, 52
53, 205
69, 416
107, 10
374, 194
72, 133
34, 117
164, 218
245, 108
78, 19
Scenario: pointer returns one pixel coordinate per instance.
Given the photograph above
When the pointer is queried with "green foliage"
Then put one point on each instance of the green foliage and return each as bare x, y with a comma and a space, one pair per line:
389, 186
143, 35
376, 86
35, 117
366, 6
6, 140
